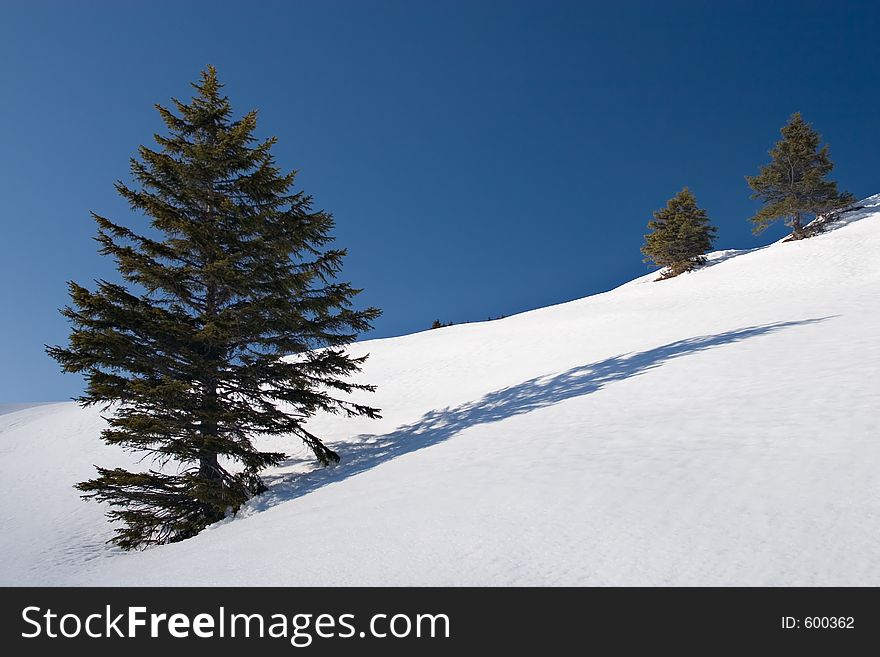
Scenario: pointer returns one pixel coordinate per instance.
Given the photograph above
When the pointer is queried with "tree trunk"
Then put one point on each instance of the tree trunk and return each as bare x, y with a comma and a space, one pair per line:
797, 230
209, 469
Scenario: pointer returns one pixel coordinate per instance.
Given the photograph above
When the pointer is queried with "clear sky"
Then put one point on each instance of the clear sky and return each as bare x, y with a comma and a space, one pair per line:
481, 158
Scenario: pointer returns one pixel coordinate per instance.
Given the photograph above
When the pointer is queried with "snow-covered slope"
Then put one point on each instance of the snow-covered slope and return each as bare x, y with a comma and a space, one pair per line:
716, 428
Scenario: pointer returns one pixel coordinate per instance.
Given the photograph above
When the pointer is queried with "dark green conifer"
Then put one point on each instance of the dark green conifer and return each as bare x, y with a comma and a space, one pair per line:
229, 324
680, 235
793, 185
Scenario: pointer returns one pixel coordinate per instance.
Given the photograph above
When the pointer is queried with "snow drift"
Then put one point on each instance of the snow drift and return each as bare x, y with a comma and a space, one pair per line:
718, 428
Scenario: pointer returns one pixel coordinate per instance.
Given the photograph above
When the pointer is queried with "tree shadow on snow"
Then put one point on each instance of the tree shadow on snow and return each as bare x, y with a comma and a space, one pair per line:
368, 451
729, 254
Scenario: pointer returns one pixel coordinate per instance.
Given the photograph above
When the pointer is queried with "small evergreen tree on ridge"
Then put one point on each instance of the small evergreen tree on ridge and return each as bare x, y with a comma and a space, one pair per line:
793, 185
680, 235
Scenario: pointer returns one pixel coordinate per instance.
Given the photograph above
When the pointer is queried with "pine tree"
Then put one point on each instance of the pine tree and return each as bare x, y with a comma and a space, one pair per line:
234, 275
794, 184
681, 235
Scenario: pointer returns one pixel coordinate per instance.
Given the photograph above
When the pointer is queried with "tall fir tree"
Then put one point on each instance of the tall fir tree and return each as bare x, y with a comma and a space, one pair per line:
189, 353
680, 235
794, 185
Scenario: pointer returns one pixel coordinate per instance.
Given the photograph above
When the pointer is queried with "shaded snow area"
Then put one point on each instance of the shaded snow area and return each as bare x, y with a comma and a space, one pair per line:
718, 428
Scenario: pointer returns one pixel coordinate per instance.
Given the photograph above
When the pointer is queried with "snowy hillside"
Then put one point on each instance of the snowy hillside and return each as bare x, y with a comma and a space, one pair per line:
721, 427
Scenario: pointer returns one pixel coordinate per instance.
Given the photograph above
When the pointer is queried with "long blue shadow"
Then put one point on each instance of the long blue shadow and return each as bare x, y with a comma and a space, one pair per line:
368, 450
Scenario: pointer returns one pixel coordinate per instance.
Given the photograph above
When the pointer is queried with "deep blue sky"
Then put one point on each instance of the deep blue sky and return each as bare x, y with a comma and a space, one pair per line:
481, 158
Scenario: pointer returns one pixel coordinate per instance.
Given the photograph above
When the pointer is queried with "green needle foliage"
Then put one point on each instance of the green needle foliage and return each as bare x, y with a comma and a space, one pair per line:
680, 235
234, 275
794, 184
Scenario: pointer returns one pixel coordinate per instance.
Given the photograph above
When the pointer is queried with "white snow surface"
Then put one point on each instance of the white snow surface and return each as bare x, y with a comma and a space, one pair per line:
718, 428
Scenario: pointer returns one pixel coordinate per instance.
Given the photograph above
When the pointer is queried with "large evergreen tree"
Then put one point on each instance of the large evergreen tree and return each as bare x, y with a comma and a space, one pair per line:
680, 235
794, 185
234, 275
